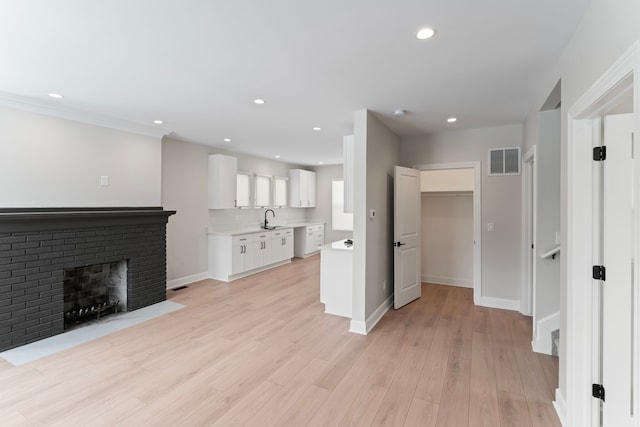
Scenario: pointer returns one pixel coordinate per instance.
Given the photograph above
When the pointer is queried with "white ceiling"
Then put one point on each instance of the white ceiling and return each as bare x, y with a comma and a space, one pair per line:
198, 65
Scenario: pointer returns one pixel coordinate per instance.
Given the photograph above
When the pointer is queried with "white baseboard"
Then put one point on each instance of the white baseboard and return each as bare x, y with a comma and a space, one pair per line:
363, 328
504, 304
186, 280
542, 342
450, 281
561, 407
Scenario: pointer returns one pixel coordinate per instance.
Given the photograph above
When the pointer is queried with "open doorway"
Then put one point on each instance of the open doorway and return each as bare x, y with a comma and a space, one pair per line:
452, 250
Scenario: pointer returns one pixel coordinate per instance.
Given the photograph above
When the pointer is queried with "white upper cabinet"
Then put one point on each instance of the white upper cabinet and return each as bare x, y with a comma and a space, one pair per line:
302, 186
222, 181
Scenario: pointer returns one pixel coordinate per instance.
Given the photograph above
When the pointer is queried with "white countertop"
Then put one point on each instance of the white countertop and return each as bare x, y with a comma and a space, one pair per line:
336, 246
248, 229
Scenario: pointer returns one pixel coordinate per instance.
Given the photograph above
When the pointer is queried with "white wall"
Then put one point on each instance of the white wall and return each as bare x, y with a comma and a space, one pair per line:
447, 239
608, 28
501, 250
184, 189
324, 176
52, 162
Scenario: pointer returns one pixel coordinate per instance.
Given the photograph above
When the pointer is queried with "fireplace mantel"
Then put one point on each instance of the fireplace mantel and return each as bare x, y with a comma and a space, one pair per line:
38, 244
36, 219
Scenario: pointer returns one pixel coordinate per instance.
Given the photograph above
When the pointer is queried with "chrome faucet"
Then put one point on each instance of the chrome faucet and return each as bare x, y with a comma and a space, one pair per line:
266, 223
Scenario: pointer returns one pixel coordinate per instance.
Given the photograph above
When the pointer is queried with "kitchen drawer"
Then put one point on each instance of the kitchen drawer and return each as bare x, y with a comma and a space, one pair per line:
242, 239
319, 227
282, 233
261, 236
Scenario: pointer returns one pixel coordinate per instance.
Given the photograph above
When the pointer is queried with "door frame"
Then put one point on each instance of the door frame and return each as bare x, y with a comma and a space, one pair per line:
581, 363
529, 223
477, 218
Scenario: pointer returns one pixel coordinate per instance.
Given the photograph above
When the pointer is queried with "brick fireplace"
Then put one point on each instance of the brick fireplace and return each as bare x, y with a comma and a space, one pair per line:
37, 246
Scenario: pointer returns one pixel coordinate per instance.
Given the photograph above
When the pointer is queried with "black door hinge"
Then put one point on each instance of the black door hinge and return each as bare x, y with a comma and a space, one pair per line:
597, 391
599, 272
599, 153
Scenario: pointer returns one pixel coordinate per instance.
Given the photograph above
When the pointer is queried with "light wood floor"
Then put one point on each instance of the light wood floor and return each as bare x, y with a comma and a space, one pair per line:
260, 351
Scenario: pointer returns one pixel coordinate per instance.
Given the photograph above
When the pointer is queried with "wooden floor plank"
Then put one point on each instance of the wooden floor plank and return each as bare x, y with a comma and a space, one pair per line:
260, 351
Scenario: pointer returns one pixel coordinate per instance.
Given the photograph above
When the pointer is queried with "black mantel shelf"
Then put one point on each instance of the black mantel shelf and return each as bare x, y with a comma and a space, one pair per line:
26, 219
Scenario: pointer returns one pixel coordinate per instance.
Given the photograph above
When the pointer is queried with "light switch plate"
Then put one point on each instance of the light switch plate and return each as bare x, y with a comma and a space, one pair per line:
104, 181
491, 227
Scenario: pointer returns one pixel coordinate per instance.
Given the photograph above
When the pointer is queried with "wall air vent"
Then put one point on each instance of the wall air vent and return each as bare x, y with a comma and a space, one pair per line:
504, 161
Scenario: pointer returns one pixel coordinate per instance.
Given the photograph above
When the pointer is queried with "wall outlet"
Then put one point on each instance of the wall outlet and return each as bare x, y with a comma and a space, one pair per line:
104, 181
491, 227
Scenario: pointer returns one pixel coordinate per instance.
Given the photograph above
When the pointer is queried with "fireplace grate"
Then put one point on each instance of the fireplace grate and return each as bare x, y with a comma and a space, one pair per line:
86, 313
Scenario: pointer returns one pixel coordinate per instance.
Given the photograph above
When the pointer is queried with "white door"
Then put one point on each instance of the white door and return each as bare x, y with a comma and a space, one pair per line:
407, 285
617, 257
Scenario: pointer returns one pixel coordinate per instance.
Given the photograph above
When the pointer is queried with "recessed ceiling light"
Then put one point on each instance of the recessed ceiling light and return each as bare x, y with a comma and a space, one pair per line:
56, 95
158, 122
399, 113
452, 120
316, 128
426, 33
227, 140
277, 156
321, 163
258, 101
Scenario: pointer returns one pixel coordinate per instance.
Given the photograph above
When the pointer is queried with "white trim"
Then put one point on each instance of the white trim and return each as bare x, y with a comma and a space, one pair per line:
477, 218
448, 281
181, 281
542, 342
581, 334
363, 328
56, 110
561, 407
527, 287
502, 303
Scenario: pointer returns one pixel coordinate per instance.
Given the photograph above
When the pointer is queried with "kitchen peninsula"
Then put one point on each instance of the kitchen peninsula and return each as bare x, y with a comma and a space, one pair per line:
336, 277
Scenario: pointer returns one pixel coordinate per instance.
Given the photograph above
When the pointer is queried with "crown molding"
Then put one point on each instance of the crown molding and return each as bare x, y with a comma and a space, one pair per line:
55, 110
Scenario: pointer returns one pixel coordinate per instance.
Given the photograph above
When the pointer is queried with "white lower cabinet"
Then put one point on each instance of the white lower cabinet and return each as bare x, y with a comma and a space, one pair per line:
281, 245
262, 249
308, 239
232, 257
242, 253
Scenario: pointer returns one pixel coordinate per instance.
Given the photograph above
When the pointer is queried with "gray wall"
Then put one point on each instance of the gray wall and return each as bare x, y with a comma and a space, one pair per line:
547, 289
501, 199
376, 152
50, 162
447, 239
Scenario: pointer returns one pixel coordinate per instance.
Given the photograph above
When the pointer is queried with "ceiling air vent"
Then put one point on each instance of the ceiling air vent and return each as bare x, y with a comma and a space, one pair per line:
504, 161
